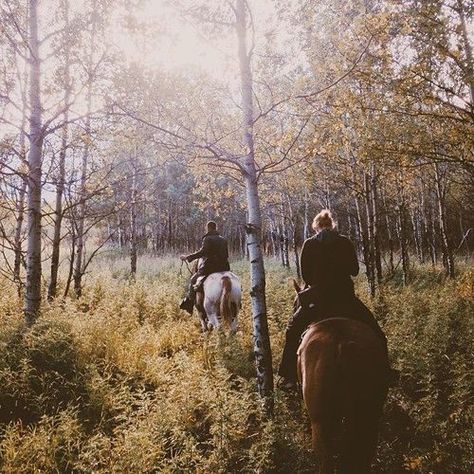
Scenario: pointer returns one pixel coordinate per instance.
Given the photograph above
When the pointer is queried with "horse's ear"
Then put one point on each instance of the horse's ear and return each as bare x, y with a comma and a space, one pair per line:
296, 286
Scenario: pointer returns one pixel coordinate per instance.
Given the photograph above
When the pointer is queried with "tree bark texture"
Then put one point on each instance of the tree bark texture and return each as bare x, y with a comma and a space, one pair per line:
36, 137
262, 350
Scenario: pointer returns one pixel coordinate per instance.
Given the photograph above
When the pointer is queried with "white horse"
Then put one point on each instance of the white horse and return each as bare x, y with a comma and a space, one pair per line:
221, 302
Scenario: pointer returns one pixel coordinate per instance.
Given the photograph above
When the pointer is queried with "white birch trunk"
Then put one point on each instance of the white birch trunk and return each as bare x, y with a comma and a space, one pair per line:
448, 256
33, 256
133, 222
262, 350
81, 214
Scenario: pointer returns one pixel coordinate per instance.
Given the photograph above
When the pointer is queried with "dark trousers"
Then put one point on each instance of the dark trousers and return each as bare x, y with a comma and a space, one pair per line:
190, 291
353, 308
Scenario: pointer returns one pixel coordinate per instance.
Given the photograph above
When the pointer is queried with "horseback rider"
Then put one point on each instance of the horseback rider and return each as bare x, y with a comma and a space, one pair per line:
214, 257
328, 260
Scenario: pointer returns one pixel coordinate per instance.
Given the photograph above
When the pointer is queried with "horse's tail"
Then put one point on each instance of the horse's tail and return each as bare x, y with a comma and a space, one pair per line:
226, 309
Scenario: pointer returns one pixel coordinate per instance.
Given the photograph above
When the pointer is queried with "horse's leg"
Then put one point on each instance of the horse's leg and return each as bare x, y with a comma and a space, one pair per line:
321, 447
365, 442
234, 325
360, 442
201, 312
212, 314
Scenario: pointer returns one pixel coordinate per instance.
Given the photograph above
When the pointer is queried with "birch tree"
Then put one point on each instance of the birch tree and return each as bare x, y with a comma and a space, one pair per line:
36, 137
263, 356
61, 166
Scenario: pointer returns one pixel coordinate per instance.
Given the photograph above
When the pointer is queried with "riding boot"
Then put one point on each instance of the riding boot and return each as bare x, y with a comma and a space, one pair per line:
187, 304
296, 327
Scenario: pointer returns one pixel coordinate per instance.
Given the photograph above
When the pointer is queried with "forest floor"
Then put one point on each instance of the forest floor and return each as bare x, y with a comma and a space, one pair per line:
123, 381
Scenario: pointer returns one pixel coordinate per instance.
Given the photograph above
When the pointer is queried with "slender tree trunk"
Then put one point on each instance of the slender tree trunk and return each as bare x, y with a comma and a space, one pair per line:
286, 248
17, 243
80, 243
80, 223
448, 256
18, 233
133, 223
71, 261
365, 246
376, 224
422, 225
389, 233
433, 246
281, 239
295, 251
273, 239
371, 275
403, 235
403, 244
58, 210
306, 226
416, 233
33, 255
262, 350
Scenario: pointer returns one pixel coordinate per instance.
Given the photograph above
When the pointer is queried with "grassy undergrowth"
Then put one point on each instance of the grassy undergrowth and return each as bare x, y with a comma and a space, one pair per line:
122, 381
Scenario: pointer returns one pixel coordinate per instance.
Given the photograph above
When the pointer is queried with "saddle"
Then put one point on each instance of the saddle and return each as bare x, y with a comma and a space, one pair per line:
199, 282
202, 278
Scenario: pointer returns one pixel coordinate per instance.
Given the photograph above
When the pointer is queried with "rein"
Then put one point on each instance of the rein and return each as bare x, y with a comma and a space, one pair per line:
181, 268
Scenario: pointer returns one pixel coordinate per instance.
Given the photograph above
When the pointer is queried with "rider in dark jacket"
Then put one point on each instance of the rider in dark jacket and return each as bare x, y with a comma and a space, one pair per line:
214, 258
328, 260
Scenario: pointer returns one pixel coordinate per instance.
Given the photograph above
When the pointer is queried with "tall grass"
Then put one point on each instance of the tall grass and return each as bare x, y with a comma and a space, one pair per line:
122, 381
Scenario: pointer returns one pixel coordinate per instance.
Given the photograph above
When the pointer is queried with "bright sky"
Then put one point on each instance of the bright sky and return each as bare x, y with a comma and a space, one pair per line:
174, 41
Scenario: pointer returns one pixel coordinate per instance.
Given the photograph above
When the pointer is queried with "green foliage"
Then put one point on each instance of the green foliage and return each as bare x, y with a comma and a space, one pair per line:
122, 381
428, 424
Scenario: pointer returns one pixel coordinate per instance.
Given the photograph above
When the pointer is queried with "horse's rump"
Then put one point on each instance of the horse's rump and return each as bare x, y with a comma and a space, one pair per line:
341, 366
222, 298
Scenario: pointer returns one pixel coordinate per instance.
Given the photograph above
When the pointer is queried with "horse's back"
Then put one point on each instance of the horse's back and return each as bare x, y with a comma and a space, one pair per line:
341, 366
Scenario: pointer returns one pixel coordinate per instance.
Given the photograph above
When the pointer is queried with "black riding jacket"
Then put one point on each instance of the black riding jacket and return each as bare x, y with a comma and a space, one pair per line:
328, 260
213, 254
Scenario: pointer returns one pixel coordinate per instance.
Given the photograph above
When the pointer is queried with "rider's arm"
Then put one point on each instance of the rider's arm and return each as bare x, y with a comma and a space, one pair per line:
307, 262
202, 252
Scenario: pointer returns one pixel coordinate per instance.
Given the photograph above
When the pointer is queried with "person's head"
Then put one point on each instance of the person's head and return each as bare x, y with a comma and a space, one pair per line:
211, 226
323, 221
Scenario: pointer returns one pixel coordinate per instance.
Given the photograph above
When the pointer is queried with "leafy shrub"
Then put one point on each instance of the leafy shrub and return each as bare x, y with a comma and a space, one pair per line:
122, 381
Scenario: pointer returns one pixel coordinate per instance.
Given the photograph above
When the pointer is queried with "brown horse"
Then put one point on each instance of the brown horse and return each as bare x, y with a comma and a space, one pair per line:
341, 368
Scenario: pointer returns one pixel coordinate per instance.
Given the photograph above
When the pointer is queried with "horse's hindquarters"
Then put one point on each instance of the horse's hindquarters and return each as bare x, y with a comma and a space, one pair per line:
222, 299
341, 367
